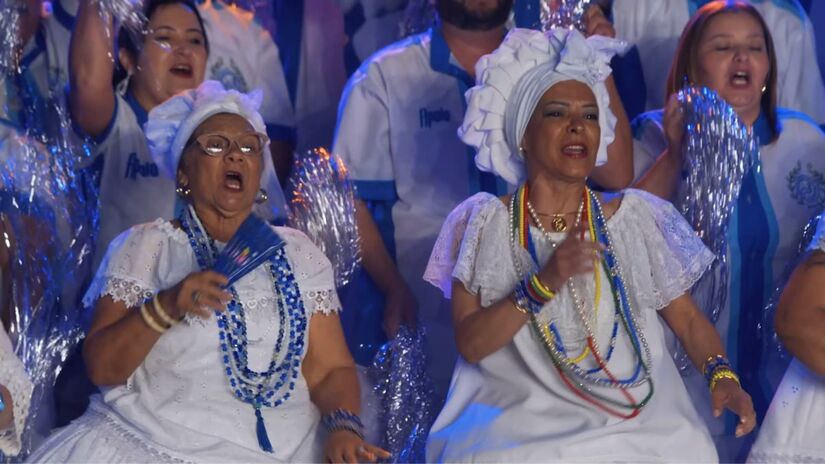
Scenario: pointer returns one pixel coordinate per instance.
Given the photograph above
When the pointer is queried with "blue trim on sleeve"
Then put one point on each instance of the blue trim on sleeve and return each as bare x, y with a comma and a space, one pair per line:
140, 113
380, 197
289, 22
629, 77
281, 132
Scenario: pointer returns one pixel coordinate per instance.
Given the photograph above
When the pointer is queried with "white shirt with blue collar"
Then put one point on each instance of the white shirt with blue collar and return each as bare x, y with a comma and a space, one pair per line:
777, 199
396, 133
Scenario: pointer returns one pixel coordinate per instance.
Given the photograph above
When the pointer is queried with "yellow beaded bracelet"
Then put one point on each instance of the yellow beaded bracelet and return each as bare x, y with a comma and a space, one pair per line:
149, 320
723, 373
162, 314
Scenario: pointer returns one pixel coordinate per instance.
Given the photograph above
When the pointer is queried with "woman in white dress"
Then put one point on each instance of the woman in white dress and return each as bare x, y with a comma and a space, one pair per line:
559, 295
186, 365
792, 431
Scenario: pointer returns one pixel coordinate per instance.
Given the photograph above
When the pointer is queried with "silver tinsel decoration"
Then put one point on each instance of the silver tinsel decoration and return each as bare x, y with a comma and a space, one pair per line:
405, 395
49, 212
10, 12
322, 205
126, 13
718, 150
563, 13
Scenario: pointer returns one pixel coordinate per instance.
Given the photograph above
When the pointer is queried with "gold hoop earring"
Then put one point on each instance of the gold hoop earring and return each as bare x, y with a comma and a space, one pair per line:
261, 197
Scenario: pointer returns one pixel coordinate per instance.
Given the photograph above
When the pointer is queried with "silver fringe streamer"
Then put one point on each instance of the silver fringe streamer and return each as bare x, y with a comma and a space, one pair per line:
718, 150
49, 214
322, 205
405, 394
10, 46
563, 13
418, 17
126, 13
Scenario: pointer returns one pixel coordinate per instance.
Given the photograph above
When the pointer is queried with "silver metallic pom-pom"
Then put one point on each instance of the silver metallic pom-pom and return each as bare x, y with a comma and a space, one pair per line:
718, 151
322, 205
49, 215
567, 14
10, 48
405, 395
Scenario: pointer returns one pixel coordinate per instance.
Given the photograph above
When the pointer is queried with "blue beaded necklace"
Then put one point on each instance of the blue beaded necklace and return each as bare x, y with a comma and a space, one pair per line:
272, 387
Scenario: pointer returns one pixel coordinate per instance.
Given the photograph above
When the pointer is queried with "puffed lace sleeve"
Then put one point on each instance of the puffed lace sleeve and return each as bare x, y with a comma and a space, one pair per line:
136, 264
666, 256
13, 376
313, 271
458, 253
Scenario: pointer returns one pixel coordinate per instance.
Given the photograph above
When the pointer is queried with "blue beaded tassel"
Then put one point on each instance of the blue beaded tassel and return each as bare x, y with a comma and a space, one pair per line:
263, 438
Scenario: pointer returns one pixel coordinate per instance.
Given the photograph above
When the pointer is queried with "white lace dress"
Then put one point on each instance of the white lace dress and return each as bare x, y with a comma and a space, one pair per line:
512, 406
794, 424
13, 376
177, 406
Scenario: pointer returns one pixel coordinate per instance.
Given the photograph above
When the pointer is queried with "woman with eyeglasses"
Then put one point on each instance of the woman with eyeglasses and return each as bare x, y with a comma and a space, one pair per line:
194, 369
168, 57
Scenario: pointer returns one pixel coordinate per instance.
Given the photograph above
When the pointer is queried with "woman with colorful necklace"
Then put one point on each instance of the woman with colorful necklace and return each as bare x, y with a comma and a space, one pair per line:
560, 329
193, 369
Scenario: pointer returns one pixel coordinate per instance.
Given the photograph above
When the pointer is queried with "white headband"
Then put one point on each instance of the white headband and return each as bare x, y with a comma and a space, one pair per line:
511, 81
171, 123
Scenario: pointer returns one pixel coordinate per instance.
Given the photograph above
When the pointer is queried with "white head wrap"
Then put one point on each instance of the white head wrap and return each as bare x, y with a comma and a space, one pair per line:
171, 123
511, 81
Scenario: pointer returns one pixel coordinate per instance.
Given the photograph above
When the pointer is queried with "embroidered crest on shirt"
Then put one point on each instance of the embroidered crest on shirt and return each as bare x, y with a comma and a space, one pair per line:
229, 75
426, 117
807, 187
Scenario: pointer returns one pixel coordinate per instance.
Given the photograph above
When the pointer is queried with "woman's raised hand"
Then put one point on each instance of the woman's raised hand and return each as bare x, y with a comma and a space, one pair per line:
573, 256
199, 293
345, 446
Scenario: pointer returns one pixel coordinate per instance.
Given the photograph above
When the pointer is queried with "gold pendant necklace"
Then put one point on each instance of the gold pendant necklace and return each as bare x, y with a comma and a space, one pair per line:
558, 223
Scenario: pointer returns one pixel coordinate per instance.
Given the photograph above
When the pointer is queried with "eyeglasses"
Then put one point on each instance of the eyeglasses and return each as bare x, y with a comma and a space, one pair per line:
219, 143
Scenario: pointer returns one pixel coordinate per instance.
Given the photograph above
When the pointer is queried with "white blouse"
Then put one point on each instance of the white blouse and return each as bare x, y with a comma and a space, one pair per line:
512, 405
178, 405
13, 376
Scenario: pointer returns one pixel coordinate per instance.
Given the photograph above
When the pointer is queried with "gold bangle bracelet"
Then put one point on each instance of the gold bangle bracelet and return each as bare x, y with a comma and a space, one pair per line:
723, 374
162, 314
149, 320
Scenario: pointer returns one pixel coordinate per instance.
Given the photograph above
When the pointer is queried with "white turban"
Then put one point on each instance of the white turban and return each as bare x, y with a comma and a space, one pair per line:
171, 123
511, 81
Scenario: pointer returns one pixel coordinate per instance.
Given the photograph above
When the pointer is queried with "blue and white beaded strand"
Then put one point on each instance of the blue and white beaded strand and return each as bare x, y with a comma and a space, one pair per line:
258, 389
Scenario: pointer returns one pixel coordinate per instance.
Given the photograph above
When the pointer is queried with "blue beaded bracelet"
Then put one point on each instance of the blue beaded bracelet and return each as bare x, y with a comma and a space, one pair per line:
341, 419
713, 364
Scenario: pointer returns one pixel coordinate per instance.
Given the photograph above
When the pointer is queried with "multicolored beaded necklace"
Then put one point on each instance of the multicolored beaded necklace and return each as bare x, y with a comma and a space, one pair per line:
272, 387
580, 380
